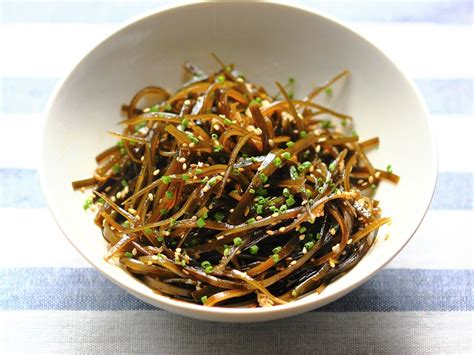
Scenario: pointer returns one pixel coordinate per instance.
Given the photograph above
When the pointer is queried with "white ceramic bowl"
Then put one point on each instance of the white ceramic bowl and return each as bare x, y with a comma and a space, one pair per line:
268, 42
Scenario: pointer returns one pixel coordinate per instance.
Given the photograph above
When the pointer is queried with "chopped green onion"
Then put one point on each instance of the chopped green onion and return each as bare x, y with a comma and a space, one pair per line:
227, 122
286, 192
212, 181
254, 249
185, 177
87, 203
198, 171
123, 151
328, 91
218, 148
148, 231
221, 78
128, 254
389, 169
237, 241
344, 122
201, 222
303, 134
205, 264
120, 143
290, 201
203, 299
276, 250
185, 122
208, 270
275, 257
227, 249
286, 155
283, 208
169, 195
163, 211
309, 245
277, 162
306, 164
263, 177
126, 224
165, 179
259, 209
332, 166
302, 230
160, 238
290, 144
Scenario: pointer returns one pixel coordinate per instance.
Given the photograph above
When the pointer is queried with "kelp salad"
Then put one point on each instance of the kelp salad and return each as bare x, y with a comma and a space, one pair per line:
224, 195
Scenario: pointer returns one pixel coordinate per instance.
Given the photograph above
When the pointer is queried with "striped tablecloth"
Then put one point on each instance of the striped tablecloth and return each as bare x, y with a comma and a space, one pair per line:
51, 300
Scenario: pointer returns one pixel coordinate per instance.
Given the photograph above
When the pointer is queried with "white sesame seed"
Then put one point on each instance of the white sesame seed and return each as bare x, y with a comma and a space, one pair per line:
191, 145
156, 172
231, 210
377, 174
182, 159
178, 250
150, 196
275, 214
134, 251
271, 143
132, 211
293, 262
305, 250
371, 179
332, 231
281, 229
331, 263
184, 166
259, 218
318, 148
142, 158
270, 232
301, 237
360, 181
335, 248
113, 199
349, 241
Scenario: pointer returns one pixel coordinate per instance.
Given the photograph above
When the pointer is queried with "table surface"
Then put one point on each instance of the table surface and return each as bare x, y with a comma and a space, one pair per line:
51, 300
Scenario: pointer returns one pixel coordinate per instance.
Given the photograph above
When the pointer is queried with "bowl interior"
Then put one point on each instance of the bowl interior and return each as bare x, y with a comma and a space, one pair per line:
295, 42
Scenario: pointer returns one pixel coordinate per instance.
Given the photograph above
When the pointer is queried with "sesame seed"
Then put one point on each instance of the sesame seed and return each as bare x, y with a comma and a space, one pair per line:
154, 257
191, 145
259, 218
304, 202
134, 251
182, 160
184, 166
301, 237
349, 241
220, 237
125, 190
305, 250
150, 196
137, 218
281, 229
371, 179
166, 233
335, 248
132, 211
293, 262
360, 181
275, 214
216, 127
271, 143
331, 263
377, 174
178, 250
150, 263
270, 232
156, 172
231, 210
332, 231
142, 158
113, 199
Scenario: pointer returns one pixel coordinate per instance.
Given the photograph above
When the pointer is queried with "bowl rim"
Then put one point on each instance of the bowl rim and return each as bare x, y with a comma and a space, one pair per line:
219, 313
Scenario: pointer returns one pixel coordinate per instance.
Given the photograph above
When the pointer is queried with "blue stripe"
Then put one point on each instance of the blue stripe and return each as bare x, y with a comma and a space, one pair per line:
391, 290
20, 188
29, 95
442, 12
